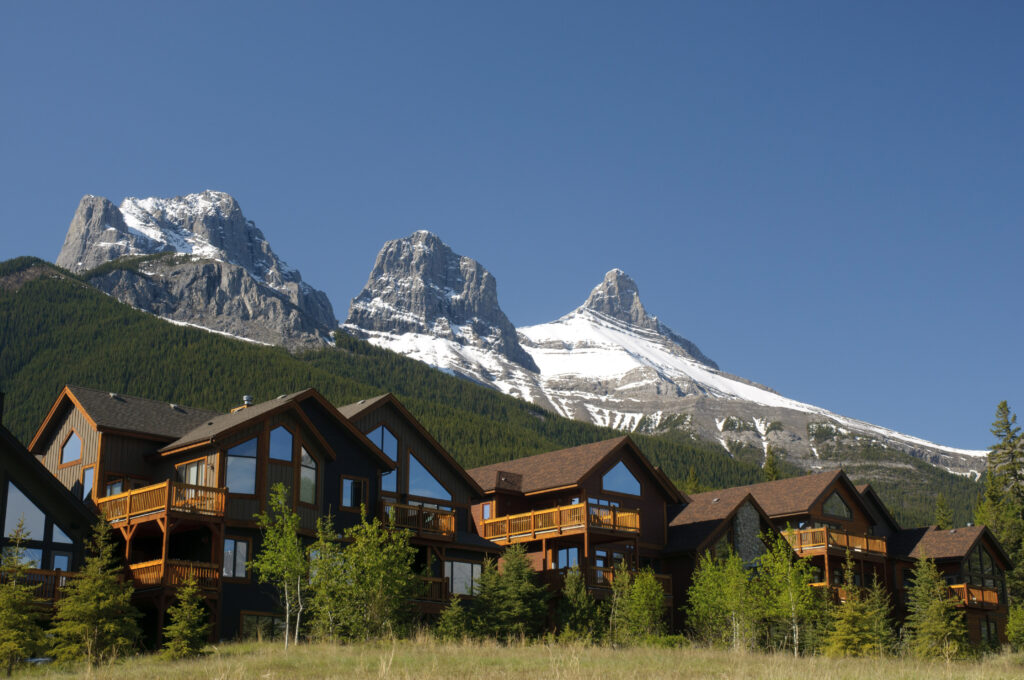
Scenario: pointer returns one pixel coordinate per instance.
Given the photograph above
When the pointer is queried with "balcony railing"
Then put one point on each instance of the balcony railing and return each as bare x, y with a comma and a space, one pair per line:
975, 596
48, 584
174, 573
430, 522
560, 520
806, 541
436, 588
168, 495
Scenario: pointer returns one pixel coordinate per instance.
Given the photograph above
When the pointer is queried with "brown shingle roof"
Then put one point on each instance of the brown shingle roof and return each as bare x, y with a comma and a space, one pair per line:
790, 496
702, 518
545, 470
934, 543
352, 411
218, 424
135, 414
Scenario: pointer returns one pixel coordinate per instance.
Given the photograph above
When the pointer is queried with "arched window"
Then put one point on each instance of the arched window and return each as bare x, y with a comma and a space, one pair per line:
281, 444
307, 478
71, 452
837, 507
422, 483
620, 480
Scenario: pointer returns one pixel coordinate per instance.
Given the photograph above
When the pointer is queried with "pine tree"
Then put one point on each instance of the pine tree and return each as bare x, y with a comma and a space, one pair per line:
783, 585
943, 515
281, 561
189, 629
20, 630
935, 626
850, 633
578, 615
95, 618
722, 607
771, 465
638, 606
453, 624
509, 604
879, 605
376, 581
1015, 628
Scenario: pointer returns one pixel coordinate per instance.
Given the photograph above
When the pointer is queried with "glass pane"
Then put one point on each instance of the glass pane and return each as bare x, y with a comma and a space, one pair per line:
422, 483
307, 485
837, 507
241, 556
620, 480
87, 478
18, 506
246, 449
34, 558
487, 510
59, 536
385, 441
61, 561
72, 450
346, 494
280, 444
229, 558
389, 481
240, 476
114, 488
307, 460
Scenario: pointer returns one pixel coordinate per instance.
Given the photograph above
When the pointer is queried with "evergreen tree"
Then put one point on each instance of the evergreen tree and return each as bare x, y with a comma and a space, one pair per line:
281, 561
326, 592
771, 465
578, 615
722, 605
95, 618
935, 626
638, 606
453, 624
1015, 628
783, 586
20, 630
376, 581
853, 629
189, 629
943, 515
879, 605
509, 604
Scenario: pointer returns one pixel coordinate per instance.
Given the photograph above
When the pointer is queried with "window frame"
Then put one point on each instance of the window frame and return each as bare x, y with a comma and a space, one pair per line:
299, 467
203, 460
92, 484
426, 499
81, 451
475, 570
621, 462
259, 615
256, 470
245, 565
295, 437
835, 494
364, 482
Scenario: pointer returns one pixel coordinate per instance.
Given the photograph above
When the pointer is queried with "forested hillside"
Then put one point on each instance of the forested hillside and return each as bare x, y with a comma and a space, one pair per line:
57, 330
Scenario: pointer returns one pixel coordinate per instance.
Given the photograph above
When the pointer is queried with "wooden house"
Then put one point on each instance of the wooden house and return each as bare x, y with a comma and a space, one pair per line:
590, 506
428, 492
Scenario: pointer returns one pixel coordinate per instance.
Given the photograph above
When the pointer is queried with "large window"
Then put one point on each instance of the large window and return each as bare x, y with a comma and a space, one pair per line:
88, 477
566, 558
71, 452
462, 576
980, 569
837, 507
620, 480
236, 554
307, 478
261, 626
424, 484
192, 472
20, 507
281, 444
240, 473
385, 441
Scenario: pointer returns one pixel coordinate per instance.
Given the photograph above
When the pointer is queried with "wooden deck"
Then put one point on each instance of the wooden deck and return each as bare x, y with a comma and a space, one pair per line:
975, 596
48, 584
560, 521
174, 573
163, 498
425, 522
817, 541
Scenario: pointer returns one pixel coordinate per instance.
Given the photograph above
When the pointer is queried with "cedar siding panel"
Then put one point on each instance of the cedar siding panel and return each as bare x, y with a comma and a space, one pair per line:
70, 475
127, 456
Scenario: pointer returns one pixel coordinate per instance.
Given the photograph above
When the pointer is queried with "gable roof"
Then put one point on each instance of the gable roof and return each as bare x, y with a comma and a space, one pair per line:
868, 494
359, 408
695, 525
110, 411
795, 495
565, 467
941, 544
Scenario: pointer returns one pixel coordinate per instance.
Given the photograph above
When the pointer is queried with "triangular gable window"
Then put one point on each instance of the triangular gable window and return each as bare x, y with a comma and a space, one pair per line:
422, 483
18, 507
385, 441
620, 480
837, 507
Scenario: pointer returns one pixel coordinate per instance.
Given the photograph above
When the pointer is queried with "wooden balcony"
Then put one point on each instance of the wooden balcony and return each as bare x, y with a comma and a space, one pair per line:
817, 541
568, 519
436, 589
174, 573
975, 596
48, 584
425, 522
161, 498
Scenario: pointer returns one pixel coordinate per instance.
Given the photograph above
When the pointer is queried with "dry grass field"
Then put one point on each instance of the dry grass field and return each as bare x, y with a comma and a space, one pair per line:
426, 660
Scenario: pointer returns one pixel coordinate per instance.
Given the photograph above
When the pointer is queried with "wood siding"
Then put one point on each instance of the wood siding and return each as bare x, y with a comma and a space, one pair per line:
71, 475
128, 456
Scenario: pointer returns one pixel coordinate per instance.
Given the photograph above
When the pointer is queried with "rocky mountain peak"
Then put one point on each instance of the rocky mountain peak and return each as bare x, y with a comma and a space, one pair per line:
618, 297
420, 285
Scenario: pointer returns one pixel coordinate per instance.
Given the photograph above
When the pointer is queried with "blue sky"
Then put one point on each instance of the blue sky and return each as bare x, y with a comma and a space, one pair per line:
825, 197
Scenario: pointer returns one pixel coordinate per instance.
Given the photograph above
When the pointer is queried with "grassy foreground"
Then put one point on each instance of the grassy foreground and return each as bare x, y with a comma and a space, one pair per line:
426, 659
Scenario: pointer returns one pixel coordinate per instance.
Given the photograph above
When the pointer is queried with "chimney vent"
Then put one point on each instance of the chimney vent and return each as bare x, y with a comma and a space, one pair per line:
247, 400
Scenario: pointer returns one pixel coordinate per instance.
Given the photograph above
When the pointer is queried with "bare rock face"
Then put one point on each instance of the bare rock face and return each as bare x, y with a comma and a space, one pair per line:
418, 285
201, 262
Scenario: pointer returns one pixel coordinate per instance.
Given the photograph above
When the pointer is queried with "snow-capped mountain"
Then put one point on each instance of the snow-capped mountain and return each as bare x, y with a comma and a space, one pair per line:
607, 362
203, 264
